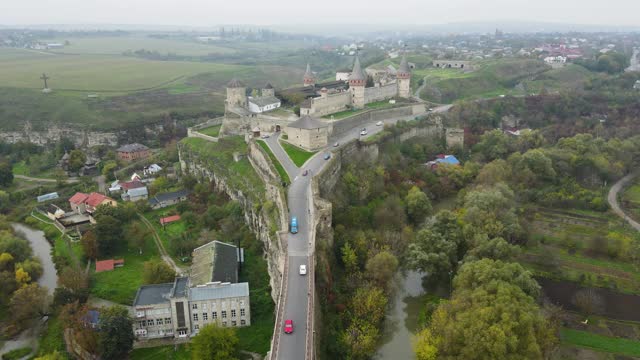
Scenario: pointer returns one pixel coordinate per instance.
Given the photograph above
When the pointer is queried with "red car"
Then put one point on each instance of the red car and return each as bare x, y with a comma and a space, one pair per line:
288, 326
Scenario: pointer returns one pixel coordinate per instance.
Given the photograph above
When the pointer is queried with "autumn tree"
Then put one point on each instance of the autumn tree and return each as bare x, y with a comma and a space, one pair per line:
215, 343
28, 302
89, 244
381, 267
418, 205
425, 345
360, 339
157, 272
369, 304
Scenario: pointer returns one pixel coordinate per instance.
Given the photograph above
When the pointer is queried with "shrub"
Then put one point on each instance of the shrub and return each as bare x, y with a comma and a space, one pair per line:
17, 354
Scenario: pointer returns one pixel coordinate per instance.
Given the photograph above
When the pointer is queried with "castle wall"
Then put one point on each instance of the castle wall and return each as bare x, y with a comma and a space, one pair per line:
356, 121
310, 139
380, 93
328, 104
453, 64
240, 125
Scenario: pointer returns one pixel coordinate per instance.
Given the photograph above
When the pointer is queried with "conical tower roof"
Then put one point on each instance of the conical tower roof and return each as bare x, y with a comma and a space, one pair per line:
404, 66
268, 86
356, 73
308, 73
235, 83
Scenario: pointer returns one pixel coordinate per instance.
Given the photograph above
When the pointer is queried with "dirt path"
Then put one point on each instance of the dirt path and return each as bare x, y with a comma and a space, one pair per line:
29, 178
158, 241
612, 198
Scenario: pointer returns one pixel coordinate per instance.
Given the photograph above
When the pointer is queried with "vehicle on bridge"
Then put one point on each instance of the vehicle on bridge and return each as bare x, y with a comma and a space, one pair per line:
363, 132
294, 225
288, 326
303, 269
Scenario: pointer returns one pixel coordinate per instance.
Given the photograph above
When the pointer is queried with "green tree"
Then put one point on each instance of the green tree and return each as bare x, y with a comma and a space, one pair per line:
6, 174
425, 345
369, 303
349, 258
496, 249
157, 272
137, 234
108, 231
76, 160
6, 262
108, 168
55, 355
488, 273
31, 266
381, 268
360, 339
17, 247
89, 244
116, 335
492, 211
215, 343
418, 205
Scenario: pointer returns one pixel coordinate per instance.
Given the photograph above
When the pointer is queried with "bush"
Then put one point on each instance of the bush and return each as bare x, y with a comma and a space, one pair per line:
17, 354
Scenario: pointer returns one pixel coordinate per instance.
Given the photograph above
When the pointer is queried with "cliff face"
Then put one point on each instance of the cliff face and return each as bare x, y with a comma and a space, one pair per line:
265, 209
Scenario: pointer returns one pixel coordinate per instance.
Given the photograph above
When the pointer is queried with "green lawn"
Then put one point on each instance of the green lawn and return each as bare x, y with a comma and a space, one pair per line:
211, 131
281, 171
168, 232
297, 155
52, 338
161, 353
121, 284
20, 168
599, 342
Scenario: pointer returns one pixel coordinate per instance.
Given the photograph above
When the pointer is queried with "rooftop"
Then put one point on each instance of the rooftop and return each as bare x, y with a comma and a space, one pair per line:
264, 100
169, 196
153, 294
307, 122
235, 83
215, 261
219, 291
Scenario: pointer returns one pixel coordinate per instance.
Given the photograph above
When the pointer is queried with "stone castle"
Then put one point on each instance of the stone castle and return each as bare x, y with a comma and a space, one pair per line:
253, 115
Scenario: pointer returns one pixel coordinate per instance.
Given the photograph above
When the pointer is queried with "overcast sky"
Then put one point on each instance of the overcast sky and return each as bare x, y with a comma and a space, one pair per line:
279, 12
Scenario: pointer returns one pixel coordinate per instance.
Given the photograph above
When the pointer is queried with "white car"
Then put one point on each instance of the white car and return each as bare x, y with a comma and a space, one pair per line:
379, 123
265, 136
303, 269
363, 132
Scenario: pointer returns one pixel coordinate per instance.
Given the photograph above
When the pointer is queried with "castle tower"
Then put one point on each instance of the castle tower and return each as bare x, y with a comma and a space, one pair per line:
268, 90
236, 94
309, 79
403, 77
357, 81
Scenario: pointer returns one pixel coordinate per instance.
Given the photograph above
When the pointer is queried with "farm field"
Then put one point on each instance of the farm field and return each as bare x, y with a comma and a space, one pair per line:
116, 45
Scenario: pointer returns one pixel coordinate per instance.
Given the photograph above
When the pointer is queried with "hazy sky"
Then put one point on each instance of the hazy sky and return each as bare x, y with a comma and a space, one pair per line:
278, 12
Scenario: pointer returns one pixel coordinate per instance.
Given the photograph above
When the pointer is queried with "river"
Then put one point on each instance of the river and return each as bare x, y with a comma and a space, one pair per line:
402, 318
41, 249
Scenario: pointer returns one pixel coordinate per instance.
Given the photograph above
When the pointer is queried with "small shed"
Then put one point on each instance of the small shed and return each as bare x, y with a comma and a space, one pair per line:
169, 219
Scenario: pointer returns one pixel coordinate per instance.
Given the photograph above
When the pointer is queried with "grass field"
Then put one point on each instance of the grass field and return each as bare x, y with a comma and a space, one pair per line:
121, 284
211, 131
599, 342
161, 353
298, 155
281, 171
168, 232
116, 45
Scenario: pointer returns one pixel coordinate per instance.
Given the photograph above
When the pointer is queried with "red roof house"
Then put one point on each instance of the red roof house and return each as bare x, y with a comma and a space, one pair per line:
128, 185
81, 202
169, 219
108, 265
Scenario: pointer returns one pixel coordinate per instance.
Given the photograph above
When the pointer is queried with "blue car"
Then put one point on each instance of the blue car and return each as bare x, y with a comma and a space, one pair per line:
294, 225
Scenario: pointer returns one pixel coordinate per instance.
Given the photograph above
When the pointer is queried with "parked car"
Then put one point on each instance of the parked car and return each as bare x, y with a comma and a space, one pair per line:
288, 326
327, 156
294, 225
336, 144
430, 109
305, 173
379, 123
265, 136
303, 269
363, 132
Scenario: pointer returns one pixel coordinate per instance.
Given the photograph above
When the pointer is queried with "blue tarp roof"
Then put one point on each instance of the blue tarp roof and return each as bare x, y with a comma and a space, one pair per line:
449, 159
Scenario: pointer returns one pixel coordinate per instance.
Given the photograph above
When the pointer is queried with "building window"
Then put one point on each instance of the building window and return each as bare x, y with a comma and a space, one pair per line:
234, 323
214, 315
167, 321
242, 312
243, 322
159, 322
195, 317
150, 322
194, 306
224, 314
182, 332
224, 324
205, 316
141, 323
233, 312
196, 326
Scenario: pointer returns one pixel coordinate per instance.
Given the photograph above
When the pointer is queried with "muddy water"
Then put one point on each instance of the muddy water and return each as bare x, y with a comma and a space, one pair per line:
401, 320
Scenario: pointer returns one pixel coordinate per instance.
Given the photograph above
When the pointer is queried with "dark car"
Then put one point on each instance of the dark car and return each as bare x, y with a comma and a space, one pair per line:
327, 156
305, 173
288, 326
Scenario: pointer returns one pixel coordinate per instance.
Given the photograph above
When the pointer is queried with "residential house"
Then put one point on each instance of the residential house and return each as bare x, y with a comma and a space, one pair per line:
54, 212
131, 152
443, 159
179, 309
136, 194
263, 104
151, 170
82, 203
160, 201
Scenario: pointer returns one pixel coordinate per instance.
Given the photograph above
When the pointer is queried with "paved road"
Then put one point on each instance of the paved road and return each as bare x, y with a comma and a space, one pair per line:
292, 346
634, 63
612, 198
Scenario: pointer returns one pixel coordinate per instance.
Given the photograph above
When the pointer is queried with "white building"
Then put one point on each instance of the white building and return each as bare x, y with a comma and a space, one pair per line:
263, 103
178, 310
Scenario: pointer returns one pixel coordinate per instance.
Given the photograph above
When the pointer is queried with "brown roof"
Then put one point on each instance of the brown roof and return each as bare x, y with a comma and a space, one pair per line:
78, 198
96, 199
